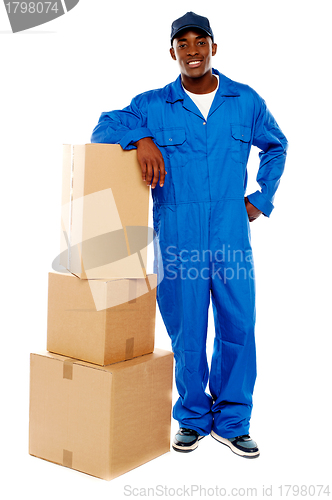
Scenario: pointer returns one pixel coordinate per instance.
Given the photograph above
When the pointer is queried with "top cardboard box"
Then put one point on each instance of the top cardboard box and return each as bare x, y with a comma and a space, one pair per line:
105, 211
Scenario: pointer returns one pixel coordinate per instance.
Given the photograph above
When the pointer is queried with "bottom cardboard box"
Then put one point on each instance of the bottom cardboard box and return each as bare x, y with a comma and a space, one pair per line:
101, 420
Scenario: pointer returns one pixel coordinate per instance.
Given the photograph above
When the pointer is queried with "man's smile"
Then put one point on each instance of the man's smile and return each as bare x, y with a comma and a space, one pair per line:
194, 63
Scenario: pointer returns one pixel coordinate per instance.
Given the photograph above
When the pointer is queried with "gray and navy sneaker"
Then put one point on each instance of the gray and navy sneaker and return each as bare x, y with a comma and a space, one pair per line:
241, 445
186, 440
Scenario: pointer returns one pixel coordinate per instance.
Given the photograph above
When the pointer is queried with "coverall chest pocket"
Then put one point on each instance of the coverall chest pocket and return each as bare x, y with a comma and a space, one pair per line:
241, 135
173, 145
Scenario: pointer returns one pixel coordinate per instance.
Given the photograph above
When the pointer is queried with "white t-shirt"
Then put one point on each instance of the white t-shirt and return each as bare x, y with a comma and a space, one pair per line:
203, 101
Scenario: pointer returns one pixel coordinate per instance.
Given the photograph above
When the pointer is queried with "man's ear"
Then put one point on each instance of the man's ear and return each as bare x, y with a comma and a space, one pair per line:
214, 49
172, 53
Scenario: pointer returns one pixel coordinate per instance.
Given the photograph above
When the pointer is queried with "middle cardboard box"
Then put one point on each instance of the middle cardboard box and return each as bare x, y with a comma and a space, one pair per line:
101, 321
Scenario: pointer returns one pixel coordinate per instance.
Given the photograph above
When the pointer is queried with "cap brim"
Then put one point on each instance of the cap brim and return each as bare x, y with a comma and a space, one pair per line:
190, 26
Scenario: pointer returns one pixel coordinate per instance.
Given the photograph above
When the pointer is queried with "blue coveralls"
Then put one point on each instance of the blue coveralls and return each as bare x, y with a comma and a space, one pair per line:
201, 221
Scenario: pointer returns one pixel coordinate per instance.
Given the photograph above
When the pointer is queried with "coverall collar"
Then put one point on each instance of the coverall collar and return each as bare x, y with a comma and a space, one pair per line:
227, 88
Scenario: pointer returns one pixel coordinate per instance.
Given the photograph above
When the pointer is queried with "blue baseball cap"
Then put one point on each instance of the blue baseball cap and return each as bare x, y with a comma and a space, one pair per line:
191, 20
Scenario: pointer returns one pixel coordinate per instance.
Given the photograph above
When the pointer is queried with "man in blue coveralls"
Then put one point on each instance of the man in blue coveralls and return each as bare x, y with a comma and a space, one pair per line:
194, 137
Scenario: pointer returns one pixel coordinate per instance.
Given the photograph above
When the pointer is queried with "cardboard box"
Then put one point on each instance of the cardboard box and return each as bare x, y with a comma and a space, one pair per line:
101, 321
105, 211
103, 421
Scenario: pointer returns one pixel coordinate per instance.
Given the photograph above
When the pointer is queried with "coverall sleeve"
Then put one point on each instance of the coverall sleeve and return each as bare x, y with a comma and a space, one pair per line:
273, 145
123, 127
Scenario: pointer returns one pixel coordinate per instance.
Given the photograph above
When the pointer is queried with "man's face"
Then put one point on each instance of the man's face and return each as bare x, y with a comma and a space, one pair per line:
193, 50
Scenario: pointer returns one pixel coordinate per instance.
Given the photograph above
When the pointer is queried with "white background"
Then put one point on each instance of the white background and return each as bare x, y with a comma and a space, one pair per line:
56, 79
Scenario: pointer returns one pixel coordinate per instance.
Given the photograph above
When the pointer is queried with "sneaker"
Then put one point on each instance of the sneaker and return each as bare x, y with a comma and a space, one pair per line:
186, 440
241, 445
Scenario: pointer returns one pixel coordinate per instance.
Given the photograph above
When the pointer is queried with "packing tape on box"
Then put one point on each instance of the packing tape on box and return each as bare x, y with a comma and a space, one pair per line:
138, 253
142, 263
126, 238
71, 196
129, 354
148, 283
68, 369
132, 291
67, 458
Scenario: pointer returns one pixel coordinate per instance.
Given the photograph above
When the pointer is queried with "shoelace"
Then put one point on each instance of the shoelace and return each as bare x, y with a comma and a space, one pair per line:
187, 432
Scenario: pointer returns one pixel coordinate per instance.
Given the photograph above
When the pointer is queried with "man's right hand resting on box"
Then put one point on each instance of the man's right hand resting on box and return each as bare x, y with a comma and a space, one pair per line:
151, 161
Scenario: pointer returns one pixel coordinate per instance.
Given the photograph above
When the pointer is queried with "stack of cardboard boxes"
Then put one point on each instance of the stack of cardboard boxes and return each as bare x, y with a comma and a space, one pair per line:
100, 396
